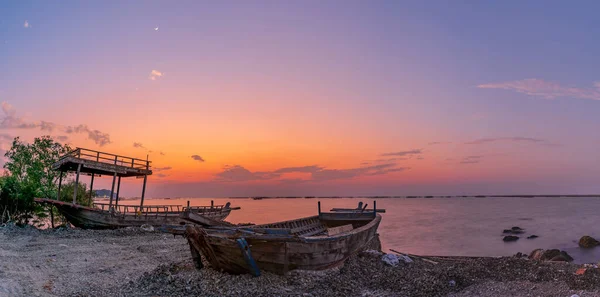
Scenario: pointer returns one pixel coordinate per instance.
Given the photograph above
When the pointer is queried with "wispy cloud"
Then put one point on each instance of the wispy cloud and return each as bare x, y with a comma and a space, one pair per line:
303, 169
439, 142
26, 24
158, 169
100, 138
197, 158
404, 153
545, 89
62, 138
508, 139
138, 145
12, 121
4, 136
155, 74
237, 173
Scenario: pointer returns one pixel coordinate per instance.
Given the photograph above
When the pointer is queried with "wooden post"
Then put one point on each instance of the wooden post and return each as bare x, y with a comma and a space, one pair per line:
112, 189
188, 204
143, 190
52, 215
91, 189
375, 207
319, 204
212, 204
76, 184
145, 180
59, 185
118, 190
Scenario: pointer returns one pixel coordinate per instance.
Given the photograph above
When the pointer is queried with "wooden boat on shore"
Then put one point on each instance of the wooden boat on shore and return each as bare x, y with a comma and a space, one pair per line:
311, 243
119, 216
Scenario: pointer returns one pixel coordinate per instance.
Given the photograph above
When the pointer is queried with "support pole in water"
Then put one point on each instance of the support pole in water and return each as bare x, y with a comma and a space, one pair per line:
76, 184
319, 205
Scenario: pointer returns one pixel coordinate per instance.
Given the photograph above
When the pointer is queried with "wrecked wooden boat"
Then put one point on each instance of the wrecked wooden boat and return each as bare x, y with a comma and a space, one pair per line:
112, 215
312, 243
120, 216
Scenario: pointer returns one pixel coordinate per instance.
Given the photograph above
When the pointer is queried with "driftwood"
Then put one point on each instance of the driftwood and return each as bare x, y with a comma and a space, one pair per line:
430, 259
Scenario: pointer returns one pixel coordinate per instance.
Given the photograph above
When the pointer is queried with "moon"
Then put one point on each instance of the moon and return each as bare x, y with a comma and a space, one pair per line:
156, 29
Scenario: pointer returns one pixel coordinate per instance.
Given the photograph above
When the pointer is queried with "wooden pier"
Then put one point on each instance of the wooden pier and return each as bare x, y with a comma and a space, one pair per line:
95, 163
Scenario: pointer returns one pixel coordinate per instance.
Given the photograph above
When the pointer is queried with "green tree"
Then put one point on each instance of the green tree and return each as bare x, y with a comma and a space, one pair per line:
84, 195
29, 175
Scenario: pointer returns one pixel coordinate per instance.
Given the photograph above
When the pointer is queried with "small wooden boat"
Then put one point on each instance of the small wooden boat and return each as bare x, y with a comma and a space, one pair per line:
311, 243
100, 217
360, 208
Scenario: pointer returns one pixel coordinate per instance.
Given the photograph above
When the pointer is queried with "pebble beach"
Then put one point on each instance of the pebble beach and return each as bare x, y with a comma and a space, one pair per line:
133, 262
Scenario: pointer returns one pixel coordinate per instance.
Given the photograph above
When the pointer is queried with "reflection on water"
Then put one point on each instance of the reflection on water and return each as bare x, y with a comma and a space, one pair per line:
445, 226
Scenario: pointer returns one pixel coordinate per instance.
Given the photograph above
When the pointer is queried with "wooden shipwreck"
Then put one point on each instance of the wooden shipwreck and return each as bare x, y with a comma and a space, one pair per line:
112, 215
311, 243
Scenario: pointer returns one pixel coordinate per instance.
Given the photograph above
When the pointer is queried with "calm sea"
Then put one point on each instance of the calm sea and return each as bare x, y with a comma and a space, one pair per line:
446, 226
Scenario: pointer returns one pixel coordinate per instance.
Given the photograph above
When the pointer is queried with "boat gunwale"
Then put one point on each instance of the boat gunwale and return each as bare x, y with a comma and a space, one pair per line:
59, 203
230, 233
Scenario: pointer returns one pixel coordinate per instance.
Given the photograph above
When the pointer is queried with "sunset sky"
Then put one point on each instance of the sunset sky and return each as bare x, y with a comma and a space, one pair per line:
245, 98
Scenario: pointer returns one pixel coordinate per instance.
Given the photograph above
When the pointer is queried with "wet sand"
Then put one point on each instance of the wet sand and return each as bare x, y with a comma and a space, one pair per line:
131, 262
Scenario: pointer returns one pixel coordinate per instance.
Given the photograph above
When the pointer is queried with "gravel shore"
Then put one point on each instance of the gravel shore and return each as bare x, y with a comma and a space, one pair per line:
131, 262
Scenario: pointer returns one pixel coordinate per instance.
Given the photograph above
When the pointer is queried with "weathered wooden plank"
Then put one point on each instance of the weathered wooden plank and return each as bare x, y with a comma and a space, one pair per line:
307, 227
340, 229
247, 254
200, 219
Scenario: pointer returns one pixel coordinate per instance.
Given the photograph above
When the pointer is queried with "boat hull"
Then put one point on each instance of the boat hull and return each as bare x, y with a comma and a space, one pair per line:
280, 254
93, 218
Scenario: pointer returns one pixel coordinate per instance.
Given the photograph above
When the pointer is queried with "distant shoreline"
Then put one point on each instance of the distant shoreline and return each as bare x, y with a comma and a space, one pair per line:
418, 196
369, 197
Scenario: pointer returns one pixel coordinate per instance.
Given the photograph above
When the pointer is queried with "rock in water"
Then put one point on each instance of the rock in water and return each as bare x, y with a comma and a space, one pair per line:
517, 229
510, 238
532, 236
587, 242
507, 231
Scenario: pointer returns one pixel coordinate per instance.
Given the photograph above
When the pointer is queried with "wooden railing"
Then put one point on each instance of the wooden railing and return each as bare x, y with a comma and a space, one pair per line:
160, 210
106, 158
142, 209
